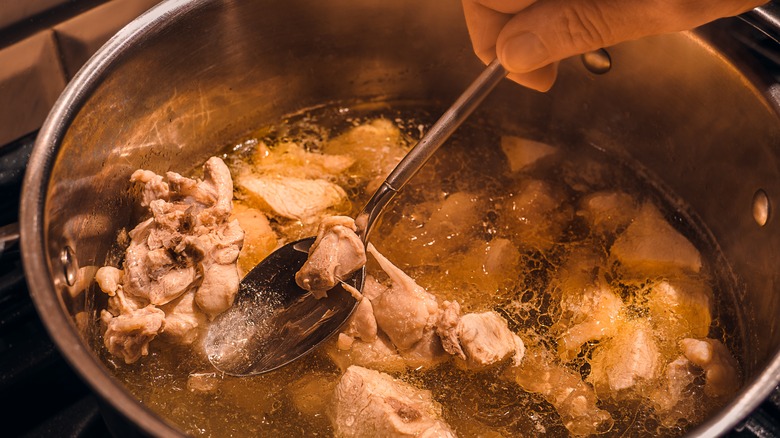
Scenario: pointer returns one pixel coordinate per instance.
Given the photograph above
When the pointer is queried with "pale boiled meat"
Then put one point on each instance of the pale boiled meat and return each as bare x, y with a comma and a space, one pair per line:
592, 315
180, 265
292, 159
336, 253
367, 403
573, 399
680, 308
405, 309
300, 199
379, 354
128, 335
629, 358
720, 368
608, 212
651, 245
182, 320
669, 398
479, 340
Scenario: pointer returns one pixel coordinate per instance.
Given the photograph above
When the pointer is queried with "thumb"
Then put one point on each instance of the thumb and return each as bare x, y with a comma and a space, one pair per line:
551, 30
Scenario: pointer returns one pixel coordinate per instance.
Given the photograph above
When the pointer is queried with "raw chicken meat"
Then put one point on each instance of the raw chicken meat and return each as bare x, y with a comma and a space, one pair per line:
336, 253
304, 200
180, 265
367, 403
573, 399
720, 368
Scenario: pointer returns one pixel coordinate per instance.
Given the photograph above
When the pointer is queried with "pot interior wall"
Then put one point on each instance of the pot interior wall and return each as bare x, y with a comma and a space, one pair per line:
214, 70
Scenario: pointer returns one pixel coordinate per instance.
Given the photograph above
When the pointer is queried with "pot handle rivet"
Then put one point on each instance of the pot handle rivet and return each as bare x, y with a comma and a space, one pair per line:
761, 207
597, 62
68, 265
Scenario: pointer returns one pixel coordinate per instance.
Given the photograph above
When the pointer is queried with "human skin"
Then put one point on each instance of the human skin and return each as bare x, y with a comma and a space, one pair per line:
530, 37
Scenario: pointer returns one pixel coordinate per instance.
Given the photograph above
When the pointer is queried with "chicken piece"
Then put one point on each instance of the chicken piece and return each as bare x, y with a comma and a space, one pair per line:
154, 186
434, 230
447, 328
720, 367
523, 153
151, 272
129, 334
535, 215
362, 323
484, 268
669, 399
219, 252
369, 403
379, 354
376, 146
185, 253
608, 212
336, 253
592, 315
293, 198
680, 308
651, 246
478, 340
404, 310
573, 399
109, 279
629, 359
292, 160
183, 318
427, 352
259, 238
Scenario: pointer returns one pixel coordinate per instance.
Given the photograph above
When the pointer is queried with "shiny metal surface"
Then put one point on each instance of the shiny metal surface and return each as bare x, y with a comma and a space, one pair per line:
187, 78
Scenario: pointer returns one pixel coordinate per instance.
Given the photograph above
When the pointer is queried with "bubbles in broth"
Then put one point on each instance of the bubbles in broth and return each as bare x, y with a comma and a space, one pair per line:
465, 205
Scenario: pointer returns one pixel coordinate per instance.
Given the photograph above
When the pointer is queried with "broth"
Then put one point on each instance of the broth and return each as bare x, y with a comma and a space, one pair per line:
474, 403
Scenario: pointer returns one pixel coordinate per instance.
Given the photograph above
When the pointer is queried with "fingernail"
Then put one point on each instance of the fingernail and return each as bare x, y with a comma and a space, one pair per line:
524, 52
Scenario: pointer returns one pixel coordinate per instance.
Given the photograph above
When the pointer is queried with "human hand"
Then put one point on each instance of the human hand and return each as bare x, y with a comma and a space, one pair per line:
529, 37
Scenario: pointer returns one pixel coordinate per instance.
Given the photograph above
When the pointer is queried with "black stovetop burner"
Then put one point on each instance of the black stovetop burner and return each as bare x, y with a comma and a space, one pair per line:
43, 397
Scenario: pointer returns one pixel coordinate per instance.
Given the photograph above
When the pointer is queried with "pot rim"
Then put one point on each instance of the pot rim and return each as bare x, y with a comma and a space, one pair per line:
39, 275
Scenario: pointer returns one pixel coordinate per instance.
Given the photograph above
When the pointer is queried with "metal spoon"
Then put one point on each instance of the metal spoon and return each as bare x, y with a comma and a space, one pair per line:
273, 321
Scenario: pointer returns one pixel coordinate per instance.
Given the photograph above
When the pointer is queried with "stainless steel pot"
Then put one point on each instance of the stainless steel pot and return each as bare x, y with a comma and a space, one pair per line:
189, 75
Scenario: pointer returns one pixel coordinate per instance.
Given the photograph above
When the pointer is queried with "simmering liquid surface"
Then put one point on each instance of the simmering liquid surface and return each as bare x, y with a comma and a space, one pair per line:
183, 387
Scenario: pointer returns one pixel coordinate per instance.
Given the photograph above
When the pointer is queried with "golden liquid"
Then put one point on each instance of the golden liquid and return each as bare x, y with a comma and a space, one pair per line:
474, 403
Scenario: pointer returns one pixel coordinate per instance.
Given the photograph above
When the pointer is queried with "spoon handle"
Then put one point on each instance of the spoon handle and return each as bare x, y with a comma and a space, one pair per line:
427, 146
